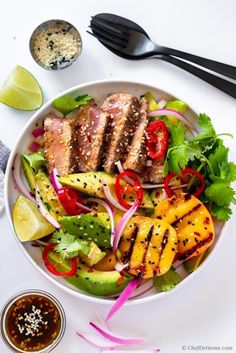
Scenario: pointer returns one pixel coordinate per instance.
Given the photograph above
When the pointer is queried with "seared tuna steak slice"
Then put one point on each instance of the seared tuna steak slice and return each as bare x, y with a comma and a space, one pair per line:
91, 129
60, 143
154, 172
123, 111
137, 156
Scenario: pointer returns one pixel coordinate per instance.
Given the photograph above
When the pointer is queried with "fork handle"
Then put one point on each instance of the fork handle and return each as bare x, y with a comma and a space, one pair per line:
218, 82
224, 69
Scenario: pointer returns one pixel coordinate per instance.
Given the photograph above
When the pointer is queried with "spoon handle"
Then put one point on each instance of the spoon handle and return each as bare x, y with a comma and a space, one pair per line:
218, 82
224, 69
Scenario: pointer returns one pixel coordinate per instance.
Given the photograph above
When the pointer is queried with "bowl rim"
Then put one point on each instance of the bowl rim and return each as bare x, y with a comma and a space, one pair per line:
83, 295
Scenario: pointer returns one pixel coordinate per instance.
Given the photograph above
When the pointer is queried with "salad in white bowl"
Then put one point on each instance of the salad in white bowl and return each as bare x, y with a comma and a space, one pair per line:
126, 194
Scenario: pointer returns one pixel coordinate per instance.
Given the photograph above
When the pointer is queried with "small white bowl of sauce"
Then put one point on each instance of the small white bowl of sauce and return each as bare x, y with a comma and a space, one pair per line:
55, 44
32, 321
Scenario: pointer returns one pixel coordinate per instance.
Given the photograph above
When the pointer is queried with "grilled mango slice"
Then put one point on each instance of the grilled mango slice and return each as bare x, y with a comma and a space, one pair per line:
148, 246
192, 222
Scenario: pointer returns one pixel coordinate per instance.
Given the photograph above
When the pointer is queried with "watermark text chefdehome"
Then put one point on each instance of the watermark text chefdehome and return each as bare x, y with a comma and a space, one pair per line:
200, 348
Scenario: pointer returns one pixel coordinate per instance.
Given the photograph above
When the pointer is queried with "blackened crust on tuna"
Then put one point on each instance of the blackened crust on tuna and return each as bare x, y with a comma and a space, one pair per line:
123, 112
136, 157
91, 128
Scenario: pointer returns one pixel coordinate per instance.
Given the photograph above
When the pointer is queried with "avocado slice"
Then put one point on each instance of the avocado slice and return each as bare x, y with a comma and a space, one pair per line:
91, 183
194, 262
178, 105
48, 195
29, 174
94, 256
95, 227
153, 105
95, 282
31, 163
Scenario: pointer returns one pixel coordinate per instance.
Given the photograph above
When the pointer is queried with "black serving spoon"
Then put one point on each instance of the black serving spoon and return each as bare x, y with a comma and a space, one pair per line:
127, 39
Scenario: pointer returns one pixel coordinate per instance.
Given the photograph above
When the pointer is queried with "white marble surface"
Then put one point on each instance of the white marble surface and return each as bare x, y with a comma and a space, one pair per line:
202, 313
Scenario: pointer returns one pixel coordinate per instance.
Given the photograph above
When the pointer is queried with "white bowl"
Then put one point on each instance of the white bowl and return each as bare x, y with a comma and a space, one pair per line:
99, 90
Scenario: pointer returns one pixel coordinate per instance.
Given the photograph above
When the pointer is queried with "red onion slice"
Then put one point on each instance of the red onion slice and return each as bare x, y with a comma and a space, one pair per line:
155, 350
16, 173
39, 131
123, 297
162, 103
98, 341
120, 267
110, 198
117, 338
44, 211
54, 176
161, 112
125, 177
122, 224
34, 146
41, 242
109, 211
142, 289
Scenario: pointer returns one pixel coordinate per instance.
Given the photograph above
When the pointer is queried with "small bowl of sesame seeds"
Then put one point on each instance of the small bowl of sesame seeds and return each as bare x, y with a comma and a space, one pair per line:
55, 44
32, 321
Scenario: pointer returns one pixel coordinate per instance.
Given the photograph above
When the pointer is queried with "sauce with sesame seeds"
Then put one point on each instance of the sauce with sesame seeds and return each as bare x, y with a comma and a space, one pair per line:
33, 322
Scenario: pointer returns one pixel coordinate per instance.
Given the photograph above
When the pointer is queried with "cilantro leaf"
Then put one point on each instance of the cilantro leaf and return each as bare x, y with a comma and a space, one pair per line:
220, 193
222, 213
67, 104
206, 129
68, 246
167, 281
177, 159
177, 156
83, 99
218, 156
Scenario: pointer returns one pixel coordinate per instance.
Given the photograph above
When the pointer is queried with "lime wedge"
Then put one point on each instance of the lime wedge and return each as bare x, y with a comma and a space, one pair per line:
21, 90
28, 222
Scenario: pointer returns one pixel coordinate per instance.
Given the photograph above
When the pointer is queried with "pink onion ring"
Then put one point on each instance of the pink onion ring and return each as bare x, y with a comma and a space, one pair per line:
155, 350
16, 173
39, 131
120, 267
110, 198
122, 224
40, 242
109, 211
117, 338
161, 112
123, 297
34, 146
54, 176
97, 341
44, 211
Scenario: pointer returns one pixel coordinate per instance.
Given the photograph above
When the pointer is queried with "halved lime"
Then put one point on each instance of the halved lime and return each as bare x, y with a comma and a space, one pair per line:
28, 222
21, 90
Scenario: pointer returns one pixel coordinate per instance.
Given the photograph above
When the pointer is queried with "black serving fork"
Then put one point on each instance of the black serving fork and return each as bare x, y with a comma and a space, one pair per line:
127, 39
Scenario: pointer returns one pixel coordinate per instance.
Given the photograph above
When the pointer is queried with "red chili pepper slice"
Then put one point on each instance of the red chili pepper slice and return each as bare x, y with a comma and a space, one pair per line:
121, 189
69, 198
52, 267
184, 172
157, 139
167, 182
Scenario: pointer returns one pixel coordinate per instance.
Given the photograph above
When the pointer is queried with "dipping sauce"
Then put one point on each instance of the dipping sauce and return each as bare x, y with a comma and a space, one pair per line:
55, 44
32, 322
